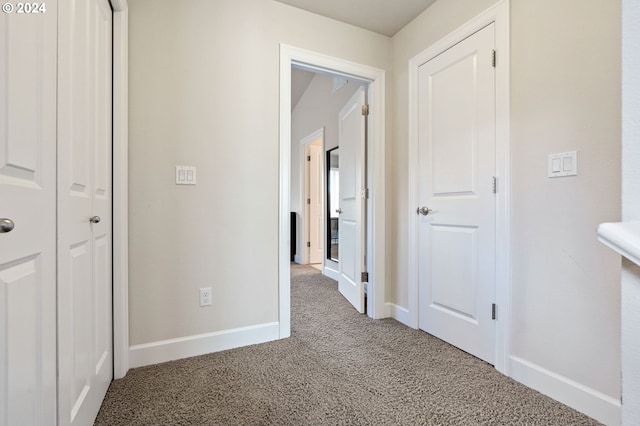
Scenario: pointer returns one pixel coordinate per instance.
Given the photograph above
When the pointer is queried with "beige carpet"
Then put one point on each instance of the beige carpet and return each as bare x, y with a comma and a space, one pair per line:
338, 368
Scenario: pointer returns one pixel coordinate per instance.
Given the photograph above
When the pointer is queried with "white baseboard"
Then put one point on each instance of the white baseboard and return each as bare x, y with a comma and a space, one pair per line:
398, 313
331, 273
297, 259
184, 347
597, 405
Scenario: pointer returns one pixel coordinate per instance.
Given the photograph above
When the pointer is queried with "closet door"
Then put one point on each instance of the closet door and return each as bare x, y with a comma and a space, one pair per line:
84, 209
28, 216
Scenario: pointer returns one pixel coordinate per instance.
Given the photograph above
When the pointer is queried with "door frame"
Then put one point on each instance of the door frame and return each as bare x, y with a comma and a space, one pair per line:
304, 255
120, 226
498, 15
317, 62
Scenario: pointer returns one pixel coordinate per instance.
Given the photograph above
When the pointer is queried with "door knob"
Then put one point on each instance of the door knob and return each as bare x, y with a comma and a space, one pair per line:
94, 219
339, 211
6, 225
424, 211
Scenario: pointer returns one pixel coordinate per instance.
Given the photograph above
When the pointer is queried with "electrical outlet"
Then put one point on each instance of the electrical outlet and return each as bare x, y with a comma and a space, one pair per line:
205, 296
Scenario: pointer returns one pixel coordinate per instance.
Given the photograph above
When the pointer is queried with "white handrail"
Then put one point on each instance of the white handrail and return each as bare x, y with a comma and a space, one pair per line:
623, 237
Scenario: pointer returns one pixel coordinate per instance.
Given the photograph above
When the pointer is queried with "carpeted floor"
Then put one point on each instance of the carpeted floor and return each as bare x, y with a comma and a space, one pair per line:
338, 368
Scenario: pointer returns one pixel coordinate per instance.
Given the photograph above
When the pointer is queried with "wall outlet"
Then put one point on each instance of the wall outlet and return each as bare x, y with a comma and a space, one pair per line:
205, 296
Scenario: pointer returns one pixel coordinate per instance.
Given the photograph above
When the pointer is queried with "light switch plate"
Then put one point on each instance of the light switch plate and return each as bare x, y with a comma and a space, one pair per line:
563, 164
185, 175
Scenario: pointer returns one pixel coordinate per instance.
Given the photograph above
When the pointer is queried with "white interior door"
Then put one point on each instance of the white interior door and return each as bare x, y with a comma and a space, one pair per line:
316, 215
27, 205
457, 164
84, 209
351, 139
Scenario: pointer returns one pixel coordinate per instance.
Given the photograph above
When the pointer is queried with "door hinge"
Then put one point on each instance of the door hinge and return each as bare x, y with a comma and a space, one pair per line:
495, 185
308, 243
493, 58
308, 200
308, 158
365, 194
364, 277
365, 110
493, 311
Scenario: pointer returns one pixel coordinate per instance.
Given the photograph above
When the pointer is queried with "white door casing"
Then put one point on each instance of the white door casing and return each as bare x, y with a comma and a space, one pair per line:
457, 157
375, 78
351, 140
27, 197
85, 350
316, 211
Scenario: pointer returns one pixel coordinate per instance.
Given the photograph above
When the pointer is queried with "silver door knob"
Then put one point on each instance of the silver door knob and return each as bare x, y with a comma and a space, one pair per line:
94, 219
6, 225
339, 211
424, 211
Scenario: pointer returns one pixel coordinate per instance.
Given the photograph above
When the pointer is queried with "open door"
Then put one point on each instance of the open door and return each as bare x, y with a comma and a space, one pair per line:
351, 139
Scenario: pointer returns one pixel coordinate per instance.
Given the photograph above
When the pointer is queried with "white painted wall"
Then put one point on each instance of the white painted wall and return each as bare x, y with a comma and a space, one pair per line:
631, 110
319, 106
630, 208
204, 91
565, 96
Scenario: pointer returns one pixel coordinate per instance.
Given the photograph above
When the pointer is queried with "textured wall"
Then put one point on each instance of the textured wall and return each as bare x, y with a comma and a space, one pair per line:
631, 208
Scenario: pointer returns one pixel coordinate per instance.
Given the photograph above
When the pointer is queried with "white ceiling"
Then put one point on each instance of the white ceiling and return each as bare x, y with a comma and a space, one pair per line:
384, 17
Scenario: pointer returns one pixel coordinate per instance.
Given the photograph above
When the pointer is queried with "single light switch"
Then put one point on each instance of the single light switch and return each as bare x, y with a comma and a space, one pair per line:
567, 164
185, 175
555, 165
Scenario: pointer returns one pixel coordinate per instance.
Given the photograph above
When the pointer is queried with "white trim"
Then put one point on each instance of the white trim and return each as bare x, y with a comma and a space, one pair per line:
305, 254
293, 56
120, 189
595, 404
201, 344
330, 272
398, 313
498, 14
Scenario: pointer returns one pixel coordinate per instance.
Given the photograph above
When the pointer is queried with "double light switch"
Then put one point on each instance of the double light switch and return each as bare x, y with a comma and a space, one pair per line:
563, 164
185, 175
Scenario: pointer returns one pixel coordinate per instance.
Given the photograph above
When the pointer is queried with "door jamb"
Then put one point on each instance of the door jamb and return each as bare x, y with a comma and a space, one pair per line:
120, 193
305, 256
499, 15
318, 62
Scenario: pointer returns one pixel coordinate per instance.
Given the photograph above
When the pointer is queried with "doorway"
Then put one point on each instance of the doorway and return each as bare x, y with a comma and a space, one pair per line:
439, 182
310, 200
375, 228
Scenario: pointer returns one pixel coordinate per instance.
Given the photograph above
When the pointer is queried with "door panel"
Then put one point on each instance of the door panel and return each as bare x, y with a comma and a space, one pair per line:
457, 165
27, 197
84, 176
351, 140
